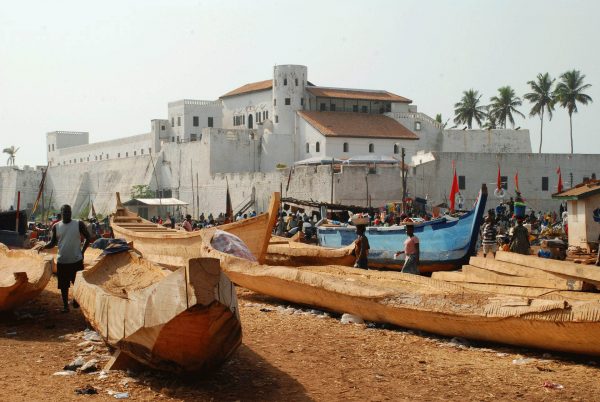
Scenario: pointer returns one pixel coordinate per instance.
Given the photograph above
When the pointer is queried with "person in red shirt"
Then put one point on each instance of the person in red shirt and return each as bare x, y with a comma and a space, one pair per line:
411, 250
187, 223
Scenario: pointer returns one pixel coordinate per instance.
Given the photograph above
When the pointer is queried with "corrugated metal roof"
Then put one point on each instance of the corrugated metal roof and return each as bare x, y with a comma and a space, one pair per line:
364, 125
582, 190
363, 94
167, 202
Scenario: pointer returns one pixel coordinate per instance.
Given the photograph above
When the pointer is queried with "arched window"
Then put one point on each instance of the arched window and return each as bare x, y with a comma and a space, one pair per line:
371, 148
396, 149
317, 147
307, 148
346, 147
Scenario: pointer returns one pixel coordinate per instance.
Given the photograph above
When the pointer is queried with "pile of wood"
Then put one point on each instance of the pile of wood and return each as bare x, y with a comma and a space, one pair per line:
580, 255
524, 275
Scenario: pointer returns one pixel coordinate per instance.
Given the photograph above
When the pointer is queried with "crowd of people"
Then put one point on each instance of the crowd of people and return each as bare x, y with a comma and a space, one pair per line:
189, 224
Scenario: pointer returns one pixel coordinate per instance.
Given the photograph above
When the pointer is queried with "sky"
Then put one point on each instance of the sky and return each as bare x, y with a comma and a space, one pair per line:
110, 67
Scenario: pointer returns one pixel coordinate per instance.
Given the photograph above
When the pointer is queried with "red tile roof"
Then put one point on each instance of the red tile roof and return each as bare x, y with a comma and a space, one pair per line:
252, 87
580, 191
347, 124
341, 93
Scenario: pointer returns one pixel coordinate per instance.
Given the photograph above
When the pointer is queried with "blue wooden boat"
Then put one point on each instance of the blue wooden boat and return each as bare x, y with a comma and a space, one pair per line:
444, 244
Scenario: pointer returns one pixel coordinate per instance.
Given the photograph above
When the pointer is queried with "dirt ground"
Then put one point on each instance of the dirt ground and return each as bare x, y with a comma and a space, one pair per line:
289, 353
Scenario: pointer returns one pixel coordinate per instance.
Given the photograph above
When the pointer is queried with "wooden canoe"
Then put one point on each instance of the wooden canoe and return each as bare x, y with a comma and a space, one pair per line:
553, 321
182, 321
284, 251
174, 247
23, 276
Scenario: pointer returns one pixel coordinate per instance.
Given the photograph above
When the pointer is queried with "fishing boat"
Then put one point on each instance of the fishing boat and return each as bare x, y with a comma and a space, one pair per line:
444, 244
23, 276
557, 320
181, 321
172, 248
286, 251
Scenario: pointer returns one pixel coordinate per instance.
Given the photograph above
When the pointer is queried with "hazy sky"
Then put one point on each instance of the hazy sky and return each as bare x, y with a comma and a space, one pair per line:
110, 67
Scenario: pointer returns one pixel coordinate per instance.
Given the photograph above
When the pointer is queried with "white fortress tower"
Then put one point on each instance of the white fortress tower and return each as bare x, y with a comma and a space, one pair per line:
289, 82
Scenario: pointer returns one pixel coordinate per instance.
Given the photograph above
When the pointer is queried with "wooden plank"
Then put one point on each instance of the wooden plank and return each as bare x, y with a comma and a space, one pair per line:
508, 268
480, 275
450, 276
583, 272
531, 292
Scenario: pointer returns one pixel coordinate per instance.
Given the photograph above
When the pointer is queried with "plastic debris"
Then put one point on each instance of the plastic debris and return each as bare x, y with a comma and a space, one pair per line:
89, 366
501, 354
552, 385
121, 395
75, 364
460, 343
64, 373
91, 336
87, 390
102, 375
351, 319
523, 360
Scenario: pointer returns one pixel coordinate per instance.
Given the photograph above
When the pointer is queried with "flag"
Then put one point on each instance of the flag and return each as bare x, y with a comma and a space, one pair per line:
228, 207
40, 192
517, 181
453, 190
560, 183
499, 179
92, 213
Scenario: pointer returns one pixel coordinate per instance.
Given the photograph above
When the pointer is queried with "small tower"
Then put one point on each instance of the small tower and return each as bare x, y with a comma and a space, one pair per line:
289, 82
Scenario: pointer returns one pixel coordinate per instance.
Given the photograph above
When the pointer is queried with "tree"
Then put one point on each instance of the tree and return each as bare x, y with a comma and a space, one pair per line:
468, 109
490, 121
569, 91
12, 151
504, 105
141, 191
542, 98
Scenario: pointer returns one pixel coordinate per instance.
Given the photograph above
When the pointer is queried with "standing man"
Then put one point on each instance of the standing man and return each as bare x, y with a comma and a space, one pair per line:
411, 250
67, 234
361, 248
187, 223
489, 237
520, 238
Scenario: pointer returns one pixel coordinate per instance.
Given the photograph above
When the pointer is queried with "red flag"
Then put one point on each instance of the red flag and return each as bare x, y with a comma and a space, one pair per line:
453, 190
517, 181
560, 183
499, 180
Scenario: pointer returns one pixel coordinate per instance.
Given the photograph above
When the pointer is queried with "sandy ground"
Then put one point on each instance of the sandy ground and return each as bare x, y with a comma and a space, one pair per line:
289, 354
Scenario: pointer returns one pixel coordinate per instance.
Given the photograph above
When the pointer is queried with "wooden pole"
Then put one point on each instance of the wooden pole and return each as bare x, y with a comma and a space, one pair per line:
197, 195
193, 195
367, 182
403, 174
332, 171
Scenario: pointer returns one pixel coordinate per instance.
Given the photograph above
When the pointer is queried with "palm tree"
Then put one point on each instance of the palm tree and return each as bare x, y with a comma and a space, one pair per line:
490, 121
542, 98
468, 109
504, 105
569, 91
12, 151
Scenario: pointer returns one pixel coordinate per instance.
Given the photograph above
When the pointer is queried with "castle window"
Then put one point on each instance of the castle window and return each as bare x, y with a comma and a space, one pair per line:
388, 107
346, 147
257, 117
134, 153
196, 121
332, 107
162, 128
544, 183
355, 108
106, 156
504, 181
364, 109
307, 147
48, 148
149, 150
210, 122
172, 121
95, 157
301, 101
142, 151
274, 102
417, 126
118, 154
318, 147
296, 80
126, 154
371, 148
53, 147
462, 183
192, 137
285, 81
172, 139
396, 149
322, 107
276, 119
287, 101
179, 121
88, 158
267, 114
243, 119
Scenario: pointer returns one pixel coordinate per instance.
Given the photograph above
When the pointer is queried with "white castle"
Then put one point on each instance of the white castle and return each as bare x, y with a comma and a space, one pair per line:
251, 134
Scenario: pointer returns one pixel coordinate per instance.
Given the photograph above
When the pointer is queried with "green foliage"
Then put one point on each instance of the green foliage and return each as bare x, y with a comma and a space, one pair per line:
469, 109
438, 117
141, 191
83, 214
504, 106
281, 166
569, 92
542, 98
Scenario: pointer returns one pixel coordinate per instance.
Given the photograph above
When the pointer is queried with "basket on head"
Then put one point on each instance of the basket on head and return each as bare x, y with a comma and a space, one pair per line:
359, 220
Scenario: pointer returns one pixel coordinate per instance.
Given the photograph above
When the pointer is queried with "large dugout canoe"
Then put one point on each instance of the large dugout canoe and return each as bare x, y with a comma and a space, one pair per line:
445, 245
23, 276
174, 247
552, 321
182, 321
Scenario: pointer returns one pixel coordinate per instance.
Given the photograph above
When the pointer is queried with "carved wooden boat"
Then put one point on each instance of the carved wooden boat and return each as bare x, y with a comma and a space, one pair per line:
171, 247
285, 251
183, 321
23, 276
444, 245
558, 320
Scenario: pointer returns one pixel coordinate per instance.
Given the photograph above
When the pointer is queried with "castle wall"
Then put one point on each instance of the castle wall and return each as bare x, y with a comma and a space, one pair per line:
13, 179
492, 141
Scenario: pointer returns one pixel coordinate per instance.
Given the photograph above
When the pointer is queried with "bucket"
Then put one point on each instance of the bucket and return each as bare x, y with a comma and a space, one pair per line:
519, 210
